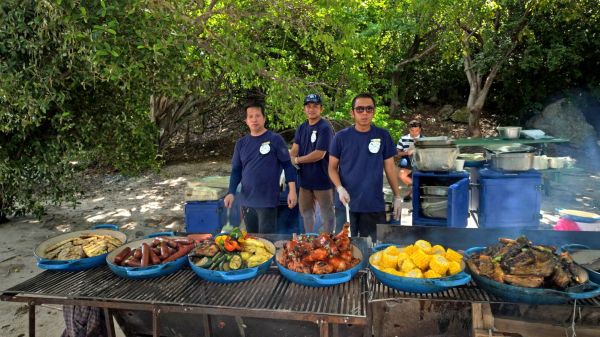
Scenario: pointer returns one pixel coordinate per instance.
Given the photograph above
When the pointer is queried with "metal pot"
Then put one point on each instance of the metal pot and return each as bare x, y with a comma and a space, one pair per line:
435, 190
512, 161
509, 132
441, 158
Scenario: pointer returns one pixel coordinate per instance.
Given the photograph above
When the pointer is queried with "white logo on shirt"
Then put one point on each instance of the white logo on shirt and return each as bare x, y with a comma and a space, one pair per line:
265, 148
313, 137
375, 145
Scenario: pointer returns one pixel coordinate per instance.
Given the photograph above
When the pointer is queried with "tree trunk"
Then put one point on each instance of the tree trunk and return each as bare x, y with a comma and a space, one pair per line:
394, 101
477, 93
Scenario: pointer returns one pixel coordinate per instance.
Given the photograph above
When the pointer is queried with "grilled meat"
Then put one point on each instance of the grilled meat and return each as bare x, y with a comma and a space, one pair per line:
521, 263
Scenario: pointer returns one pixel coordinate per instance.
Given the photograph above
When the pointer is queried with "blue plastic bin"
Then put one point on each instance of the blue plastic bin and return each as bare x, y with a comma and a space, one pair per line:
509, 199
204, 216
458, 198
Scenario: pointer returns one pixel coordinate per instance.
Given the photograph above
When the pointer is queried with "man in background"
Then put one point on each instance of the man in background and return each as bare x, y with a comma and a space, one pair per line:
405, 149
309, 155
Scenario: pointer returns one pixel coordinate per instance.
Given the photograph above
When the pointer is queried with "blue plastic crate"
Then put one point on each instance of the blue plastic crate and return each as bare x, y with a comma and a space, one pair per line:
205, 216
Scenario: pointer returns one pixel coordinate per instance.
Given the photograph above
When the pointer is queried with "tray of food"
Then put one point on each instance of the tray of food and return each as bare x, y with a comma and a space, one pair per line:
79, 250
159, 254
232, 257
320, 260
419, 267
522, 272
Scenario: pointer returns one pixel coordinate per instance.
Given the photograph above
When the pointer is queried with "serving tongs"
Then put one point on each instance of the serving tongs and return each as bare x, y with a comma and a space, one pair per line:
348, 218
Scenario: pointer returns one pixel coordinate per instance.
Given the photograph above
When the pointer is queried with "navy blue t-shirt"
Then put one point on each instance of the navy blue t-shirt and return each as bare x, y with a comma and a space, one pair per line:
313, 176
260, 158
361, 156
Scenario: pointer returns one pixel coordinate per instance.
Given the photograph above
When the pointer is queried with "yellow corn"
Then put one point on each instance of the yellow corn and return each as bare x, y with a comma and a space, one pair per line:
401, 257
437, 249
389, 271
420, 259
398, 273
452, 255
431, 274
392, 250
454, 268
407, 265
410, 249
389, 260
416, 273
424, 245
376, 258
439, 264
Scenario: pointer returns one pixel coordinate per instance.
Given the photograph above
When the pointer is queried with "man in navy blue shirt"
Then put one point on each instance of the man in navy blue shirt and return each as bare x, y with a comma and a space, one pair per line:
309, 154
257, 161
358, 156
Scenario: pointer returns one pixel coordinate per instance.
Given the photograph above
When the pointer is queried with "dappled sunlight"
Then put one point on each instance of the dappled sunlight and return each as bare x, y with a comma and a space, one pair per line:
64, 228
173, 182
150, 207
98, 199
121, 213
176, 208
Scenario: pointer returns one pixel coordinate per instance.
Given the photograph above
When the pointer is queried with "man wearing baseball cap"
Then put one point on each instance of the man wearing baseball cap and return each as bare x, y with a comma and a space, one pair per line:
309, 154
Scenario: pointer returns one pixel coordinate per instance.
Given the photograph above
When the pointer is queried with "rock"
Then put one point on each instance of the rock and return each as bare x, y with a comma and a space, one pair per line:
446, 111
563, 119
460, 116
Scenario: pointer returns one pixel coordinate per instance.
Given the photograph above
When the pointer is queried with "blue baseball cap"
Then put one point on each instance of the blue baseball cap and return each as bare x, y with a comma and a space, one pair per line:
313, 98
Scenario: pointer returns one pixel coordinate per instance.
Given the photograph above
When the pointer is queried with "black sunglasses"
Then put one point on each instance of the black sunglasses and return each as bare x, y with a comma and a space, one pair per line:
361, 109
414, 125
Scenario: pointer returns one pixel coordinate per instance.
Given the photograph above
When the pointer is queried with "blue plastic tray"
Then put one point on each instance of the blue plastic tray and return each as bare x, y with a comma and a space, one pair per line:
418, 285
79, 264
145, 272
530, 295
594, 275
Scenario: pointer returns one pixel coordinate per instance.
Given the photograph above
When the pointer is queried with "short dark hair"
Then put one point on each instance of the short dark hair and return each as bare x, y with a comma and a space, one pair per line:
363, 95
254, 105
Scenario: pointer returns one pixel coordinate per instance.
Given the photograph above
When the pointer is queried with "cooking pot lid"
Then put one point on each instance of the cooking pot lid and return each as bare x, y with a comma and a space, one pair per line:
512, 148
441, 141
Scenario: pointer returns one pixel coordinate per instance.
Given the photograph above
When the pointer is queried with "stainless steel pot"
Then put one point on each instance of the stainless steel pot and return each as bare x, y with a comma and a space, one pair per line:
509, 132
435, 158
435, 190
512, 161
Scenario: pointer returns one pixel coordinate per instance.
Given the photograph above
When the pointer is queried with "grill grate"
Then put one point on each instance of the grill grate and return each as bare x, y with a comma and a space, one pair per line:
269, 291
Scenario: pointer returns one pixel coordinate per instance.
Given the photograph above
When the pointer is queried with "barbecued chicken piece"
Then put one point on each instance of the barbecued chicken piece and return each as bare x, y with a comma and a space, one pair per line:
338, 264
524, 281
342, 239
298, 266
319, 254
561, 277
322, 267
486, 267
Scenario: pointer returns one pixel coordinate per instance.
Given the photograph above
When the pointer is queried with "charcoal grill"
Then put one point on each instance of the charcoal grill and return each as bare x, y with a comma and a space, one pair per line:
267, 296
436, 307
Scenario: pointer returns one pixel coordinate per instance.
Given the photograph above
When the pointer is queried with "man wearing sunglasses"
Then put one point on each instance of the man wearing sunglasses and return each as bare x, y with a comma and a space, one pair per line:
309, 154
405, 150
358, 156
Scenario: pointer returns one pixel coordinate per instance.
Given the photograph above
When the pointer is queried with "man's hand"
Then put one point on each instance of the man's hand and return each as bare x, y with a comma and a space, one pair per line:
397, 207
292, 198
295, 162
343, 194
228, 200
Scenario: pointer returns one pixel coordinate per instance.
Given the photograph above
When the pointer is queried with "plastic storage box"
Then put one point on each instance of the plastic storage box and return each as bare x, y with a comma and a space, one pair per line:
509, 199
452, 211
205, 216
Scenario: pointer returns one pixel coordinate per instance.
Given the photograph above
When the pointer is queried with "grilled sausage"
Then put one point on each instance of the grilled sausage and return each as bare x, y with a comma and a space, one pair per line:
169, 242
156, 250
182, 251
164, 250
122, 255
145, 254
137, 253
132, 262
154, 259
184, 241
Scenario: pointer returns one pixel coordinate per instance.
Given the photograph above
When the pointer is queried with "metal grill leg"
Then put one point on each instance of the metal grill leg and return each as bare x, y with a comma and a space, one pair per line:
110, 326
155, 322
31, 319
323, 328
207, 326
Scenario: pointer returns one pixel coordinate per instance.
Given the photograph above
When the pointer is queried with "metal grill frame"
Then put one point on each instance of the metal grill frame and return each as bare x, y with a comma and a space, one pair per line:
267, 296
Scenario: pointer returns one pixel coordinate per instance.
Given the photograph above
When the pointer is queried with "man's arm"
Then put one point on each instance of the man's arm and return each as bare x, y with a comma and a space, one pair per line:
332, 169
312, 157
390, 172
294, 151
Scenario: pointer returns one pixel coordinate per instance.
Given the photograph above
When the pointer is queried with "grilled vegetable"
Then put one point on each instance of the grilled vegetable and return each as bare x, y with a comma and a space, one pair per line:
235, 262
203, 262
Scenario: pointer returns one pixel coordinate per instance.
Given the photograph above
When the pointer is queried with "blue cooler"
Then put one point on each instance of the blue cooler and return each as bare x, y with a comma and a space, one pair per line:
509, 199
457, 201
210, 216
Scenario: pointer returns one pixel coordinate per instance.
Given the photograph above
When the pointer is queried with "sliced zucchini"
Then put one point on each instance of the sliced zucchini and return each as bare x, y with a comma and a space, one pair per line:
236, 262
225, 266
204, 262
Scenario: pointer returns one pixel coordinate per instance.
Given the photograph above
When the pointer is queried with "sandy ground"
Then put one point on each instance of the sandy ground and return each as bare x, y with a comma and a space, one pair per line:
154, 202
